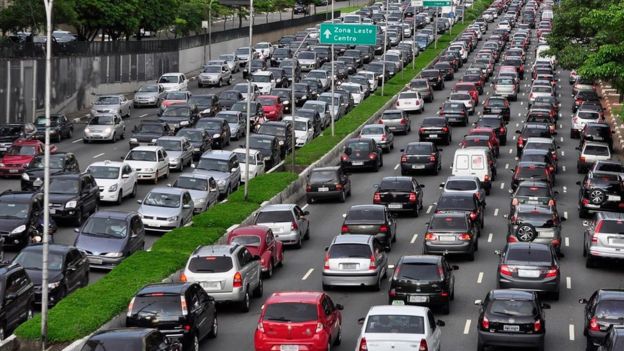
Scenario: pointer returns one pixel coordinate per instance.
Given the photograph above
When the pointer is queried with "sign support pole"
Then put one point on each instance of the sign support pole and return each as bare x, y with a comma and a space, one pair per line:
333, 75
435, 30
247, 127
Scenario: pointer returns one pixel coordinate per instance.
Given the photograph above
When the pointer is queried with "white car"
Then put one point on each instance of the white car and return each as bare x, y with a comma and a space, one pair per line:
304, 131
410, 101
399, 328
464, 98
580, 119
356, 91
149, 162
264, 49
256, 166
264, 80
321, 75
116, 180
173, 81
372, 79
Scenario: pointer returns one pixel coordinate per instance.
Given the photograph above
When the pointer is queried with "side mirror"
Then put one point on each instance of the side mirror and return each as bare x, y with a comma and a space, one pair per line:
125, 176
583, 301
122, 157
578, 182
497, 252
421, 185
305, 213
440, 323
586, 223
192, 165
139, 202
517, 132
76, 230
577, 148
563, 219
478, 302
186, 206
326, 248
339, 307
402, 150
361, 321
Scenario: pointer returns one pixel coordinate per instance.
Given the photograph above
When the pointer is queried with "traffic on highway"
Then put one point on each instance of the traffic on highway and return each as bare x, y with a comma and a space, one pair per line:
481, 210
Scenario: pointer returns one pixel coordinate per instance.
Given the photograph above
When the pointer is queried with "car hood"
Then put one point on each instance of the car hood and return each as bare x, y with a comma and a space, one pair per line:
209, 75
158, 211
174, 154
62, 198
105, 108
234, 126
146, 95
8, 224
35, 276
17, 159
97, 245
99, 128
141, 164
38, 172
215, 174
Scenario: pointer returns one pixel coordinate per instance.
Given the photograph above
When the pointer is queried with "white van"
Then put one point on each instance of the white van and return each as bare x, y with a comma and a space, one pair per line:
474, 162
539, 57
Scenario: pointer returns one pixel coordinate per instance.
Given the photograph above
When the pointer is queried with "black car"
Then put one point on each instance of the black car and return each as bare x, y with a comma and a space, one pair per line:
603, 309
584, 96
496, 122
199, 139
511, 318
135, 339
73, 196
454, 112
179, 116
531, 192
285, 95
68, 270
400, 194
362, 153
421, 156
287, 65
302, 93
540, 156
147, 132
446, 69
435, 129
328, 182
300, 8
375, 220
530, 130
537, 171
599, 132
11, 132
451, 233
22, 215
60, 127
497, 104
269, 148
256, 65
614, 340
600, 191
17, 298
184, 312
32, 178
282, 131
423, 280
280, 54
468, 203
279, 74
218, 129
206, 105
228, 98
535, 223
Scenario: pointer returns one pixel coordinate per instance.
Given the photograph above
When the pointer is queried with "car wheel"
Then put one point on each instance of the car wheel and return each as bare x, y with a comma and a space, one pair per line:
338, 340
219, 84
78, 220
377, 285
269, 272
590, 262
70, 133
214, 331
259, 290
85, 280
2, 336
245, 304
194, 344
471, 255
119, 197
298, 244
85, 141
343, 197
59, 137
134, 191
156, 178
181, 167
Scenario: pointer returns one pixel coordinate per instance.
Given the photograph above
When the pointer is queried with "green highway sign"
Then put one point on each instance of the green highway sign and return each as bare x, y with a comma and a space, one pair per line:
436, 3
353, 34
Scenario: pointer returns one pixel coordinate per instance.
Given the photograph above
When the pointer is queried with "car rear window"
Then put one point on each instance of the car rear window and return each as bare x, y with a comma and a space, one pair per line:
452, 223
418, 149
531, 171
349, 250
535, 132
368, 214
393, 115
456, 202
461, 185
296, 312
395, 185
610, 309
525, 254
597, 150
610, 167
419, 271
396, 324
323, 176
274, 217
610, 226
513, 308
157, 306
210, 264
462, 162
434, 122
532, 191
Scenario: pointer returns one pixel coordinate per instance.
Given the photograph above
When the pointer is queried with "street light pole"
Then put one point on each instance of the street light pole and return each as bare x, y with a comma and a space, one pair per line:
414, 39
46, 178
333, 75
293, 104
210, 30
383, 74
435, 30
247, 127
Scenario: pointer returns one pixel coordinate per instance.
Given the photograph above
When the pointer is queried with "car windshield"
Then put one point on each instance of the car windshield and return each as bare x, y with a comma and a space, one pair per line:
246, 240
372, 130
212, 164
148, 89
515, 308
419, 271
168, 79
260, 143
22, 150
301, 125
306, 55
455, 202
64, 186
176, 95
261, 78
274, 217
14, 210
541, 89
162, 200
272, 129
102, 120
348, 87
418, 149
140, 155
266, 101
229, 117
290, 312
192, 135
157, 306
408, 96
107, 100
434, 122
242, 51
460, 96
461, 185
104, 172
450, 223
395, 324
210, 264
106, 227
609, 167
33, 260
191, 183
596, 150
150, 128
527, 254
170, 145
496, 103
212, 69
328, 99
55, 162
209, 124
242, 157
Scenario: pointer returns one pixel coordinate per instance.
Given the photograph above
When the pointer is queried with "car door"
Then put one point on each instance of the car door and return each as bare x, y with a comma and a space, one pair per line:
433, 334
85, 192
163, 161
197, 310
209, 310
136, 241
18, 297
74, 269
187, 207
187, 156
302, 221
330, 317
213, 194
128, 179
236, 174
250, 275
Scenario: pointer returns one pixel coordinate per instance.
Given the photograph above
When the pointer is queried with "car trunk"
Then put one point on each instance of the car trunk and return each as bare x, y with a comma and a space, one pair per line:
364, 227
394, 196
511, 324
527, 271
289, 330
392, 341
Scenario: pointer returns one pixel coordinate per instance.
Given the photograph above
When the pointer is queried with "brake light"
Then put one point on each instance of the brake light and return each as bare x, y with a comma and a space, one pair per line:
514, 202
384, 228
372, 156
502, 129
377, 197
485, 323
412, 197
486, 178
338, 186
392, 292
445, 129
326, 261
430, 237
432, 157
383, 137
373, 264
183, 305
520, 142
585, 201
473, 215
294, 226
238, 280
551, 273
593, 324
403, 121
421, 130
130, 306
363, 346
537, 326
582, 158
550, 169
183, 278
403, 158
308, 188
423, 345
551, 202
505, 270
344, 157
464, 237
380, 121
344, 228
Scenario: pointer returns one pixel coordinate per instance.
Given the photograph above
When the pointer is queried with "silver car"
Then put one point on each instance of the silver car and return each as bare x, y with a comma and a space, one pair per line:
322, 108
232, 62
354, 260
104, 126
287, 221
236, 121
112, 104
464, 184
506, 86
224, 167
380, 133
149, 95
179, 149
203, 190
215, 75
164, 209
396, 121
603, 238
228, 273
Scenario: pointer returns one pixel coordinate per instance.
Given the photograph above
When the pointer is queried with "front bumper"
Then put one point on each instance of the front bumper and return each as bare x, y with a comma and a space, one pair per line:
104, 262
109, 196
97, 137
63, 213
146, 175
157, 225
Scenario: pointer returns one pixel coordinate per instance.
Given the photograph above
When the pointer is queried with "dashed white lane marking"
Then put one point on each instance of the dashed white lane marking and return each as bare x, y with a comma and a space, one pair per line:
397, 166
308, 274
567, 241
490, 237
143, 115
77, 141
569, 282
514, 137
510, 151
495, 212
429, 208
519, 114
480, 278
414, 237
521, 103
517, 124
98, 155
563, 168
502, 185
467, 326
565, 214
565, 189
390, 266
561, 139
305, 206
571, 332
562, 153
560, 126
506, 165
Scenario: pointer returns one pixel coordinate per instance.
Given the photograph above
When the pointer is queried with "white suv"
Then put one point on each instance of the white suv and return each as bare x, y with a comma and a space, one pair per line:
116, 180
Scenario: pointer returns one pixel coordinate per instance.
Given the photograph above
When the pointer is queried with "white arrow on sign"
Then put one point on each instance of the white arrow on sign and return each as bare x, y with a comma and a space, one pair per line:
327, 33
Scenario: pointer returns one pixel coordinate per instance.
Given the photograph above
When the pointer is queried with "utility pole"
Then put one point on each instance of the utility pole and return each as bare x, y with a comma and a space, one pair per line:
209, 30
383, 74
333, 75
293, 100
435, 30
414, 38
247, 127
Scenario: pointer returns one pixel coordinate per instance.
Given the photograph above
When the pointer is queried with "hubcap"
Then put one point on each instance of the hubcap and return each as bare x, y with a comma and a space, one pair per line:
525, 233
597, 196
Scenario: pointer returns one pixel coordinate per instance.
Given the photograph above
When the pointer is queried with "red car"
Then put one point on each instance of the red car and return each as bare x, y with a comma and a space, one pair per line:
272, 107
260, 241
487, 132
20, 154
301, 320
478, 141
173, 98
470, 88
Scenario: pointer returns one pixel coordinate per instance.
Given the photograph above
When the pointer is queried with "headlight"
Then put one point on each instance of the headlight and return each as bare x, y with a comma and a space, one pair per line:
53, 131
148, 169
25, 176
221, 181
54, 285
114, 254
184, 123
199, 201
134, 140
1, 164
304, 97
87, 130
172, 219
154, 140
108, 130
19, 229
281, 142
196, 149
216, 135
206, 110
71, 204
113, 187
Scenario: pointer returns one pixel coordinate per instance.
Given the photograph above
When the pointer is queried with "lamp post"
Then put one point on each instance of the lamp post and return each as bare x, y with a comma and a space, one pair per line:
210, 30
333, 75
435, 30
293, 104
383, 74
247, 128
414, 39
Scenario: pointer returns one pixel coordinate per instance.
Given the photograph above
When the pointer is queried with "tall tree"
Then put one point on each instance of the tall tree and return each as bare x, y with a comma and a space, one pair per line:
155, 15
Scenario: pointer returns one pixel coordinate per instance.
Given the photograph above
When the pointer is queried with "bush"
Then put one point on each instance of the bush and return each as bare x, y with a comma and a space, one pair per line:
264, 187
185, 240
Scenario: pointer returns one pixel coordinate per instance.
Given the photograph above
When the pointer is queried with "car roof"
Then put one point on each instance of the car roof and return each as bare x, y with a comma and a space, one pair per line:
421, 258
112, 214
167, 288
252, 152
107, 163
533, 183
611, 294
218, 154
147, 148
53, 248
539, 140
277, 207
528, 246
121, 333
352, 239
398, 310
172, 138
594, 143
294, 296
508, 294
168, 190
471, 178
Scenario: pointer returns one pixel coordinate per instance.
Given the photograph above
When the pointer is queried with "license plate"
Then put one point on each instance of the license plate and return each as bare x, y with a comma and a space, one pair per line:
511, 328
547, 234
395, 206
12, 170
349, 266
155, 225
614, 241
418, 299
418, 166
613, 198
446, 238
433, 135
52, 211
323, 189
357, 163
597, 138
528, 273
289, 348
211, 285
95, 261
398, 302
497, 110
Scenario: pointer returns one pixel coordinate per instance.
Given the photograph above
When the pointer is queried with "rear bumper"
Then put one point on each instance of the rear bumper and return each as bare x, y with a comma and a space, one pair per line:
413, 167
512, 340
288, 238
323, 195
437, 247
539, 286
350, 279
606, 252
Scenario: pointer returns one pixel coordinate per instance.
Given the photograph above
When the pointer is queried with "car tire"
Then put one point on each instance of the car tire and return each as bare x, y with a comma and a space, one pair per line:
471, 255
245, 304
193, 344
259, 290
119, 197
298, 244
214, 331
70, 133
480, 346
338, 340
156, 177
78, 220
583, 213
85, 141
269, 272
2, 333
181, 167
377, 285
219, 84
590, 262
134, 191
343, 197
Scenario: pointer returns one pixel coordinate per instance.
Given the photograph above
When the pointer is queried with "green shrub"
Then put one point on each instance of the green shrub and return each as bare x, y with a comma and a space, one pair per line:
225, 214
184, 240
264, 187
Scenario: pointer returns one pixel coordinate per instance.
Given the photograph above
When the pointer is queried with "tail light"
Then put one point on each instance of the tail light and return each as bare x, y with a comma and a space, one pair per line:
183, 277
403, 158
397, 103
464, 237
585, 201
412, 197
551, 273
423, 345
531, 96
183, 305
502, 130
432, 157
421, 130
537, 326
392, 292
344, 228
338, 186
373, 264
551, 169
473, 215
319, 327
380, 121
383, 137
344, 157
403, 121
377, 198
130, 306
363, 346
384, 228
485, 323
445, 129
294, 226
308, 188
555, 242
430, 237
575, 120
326, 261
593, 324
551, 202
372, 156
505, 270
486, 178
514, 202
238, 280
582, 158
520, 142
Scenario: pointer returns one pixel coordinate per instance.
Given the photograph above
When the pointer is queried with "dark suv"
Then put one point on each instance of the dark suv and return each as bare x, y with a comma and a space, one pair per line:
604, 308
60, 127
400, 194
599, 132
21, 214
147, 132
184, 312
421, 156
328, 182
434, 77
600, 191
32, 178
73, 196
17, 298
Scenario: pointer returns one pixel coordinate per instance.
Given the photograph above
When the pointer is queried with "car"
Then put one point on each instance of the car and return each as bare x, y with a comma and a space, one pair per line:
421, 86
600, 191
593, 105
419, 156
139, 339
283, 131
361, 153
272, 107
598, 132
179, 116
585, 96
535, 223
533, 192
148, 95
260, 241
243, 53
531, 130
304, 131
228, 273
228, 98
322, 108
541, 156
24, 217
219, 130
115, 104
216, 75
397, 121
497, 105
400, 194
203, 189
187, 303
373, 220
423, 280
357, 92
380, 133
400, 327
19, 155
327, 182
73, 196
166, 208
104, 127
268, 147
445, 68
149, 162
17, 297
510, 318
32, 177
410, 101
314, 321
613, 341
300, 8
199, 139
602, 237
173, 81
435, 129
531, 170
147, 132
257, 64
590, 153
172, 98
224, 167
289, 223
605, 308
179, 151
493, 141
257, 165
465, 184
466, 202
454, 112
116, 180
470, 88
506, 87
434, 77
205, 105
